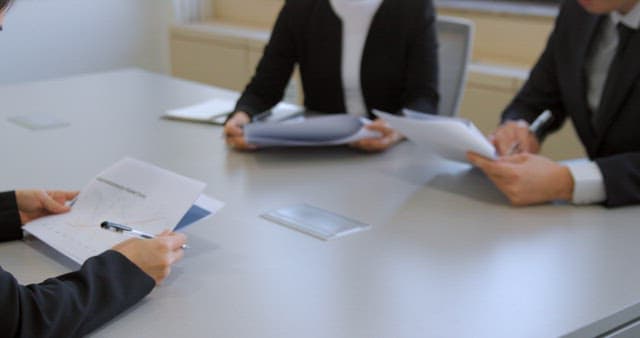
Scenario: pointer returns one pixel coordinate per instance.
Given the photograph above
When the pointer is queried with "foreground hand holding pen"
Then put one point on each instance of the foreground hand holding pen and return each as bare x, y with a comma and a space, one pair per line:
156, 255
127, 230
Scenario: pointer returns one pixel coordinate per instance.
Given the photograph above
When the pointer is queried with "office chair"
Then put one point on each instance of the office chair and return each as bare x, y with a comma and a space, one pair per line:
455, 39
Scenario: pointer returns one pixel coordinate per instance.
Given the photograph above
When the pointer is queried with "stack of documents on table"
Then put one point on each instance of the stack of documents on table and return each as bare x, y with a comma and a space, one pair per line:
450, 137
311, 131
217, 110
132, 193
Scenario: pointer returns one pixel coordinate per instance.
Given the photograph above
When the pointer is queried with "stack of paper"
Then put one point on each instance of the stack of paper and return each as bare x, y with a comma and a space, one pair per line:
130, 192
450, 137
312, 131
216, 110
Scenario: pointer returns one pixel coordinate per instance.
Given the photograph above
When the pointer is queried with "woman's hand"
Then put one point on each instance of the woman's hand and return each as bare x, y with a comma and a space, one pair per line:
233, 133
33, 204
388, 138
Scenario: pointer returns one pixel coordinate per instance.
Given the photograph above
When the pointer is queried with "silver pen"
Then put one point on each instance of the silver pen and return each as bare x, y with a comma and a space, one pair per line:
127, 230
540, 121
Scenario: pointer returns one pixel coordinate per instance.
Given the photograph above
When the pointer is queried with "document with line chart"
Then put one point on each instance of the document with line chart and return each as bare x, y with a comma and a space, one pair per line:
131, 192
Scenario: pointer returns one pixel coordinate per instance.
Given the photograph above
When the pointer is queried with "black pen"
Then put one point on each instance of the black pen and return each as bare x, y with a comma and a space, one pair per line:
127, 230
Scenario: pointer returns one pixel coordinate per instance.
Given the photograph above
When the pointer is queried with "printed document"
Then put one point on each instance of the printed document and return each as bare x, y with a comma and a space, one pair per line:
130, 192
450, 137
312, 131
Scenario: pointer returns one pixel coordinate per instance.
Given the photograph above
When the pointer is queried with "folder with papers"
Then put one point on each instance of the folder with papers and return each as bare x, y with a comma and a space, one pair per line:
311, 131
130, 192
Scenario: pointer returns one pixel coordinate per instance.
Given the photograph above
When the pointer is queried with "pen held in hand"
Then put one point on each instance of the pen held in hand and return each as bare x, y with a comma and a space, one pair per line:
127, 230
538, 123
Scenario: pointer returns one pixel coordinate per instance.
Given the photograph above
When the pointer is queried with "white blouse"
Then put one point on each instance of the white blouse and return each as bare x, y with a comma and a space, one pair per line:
356, 16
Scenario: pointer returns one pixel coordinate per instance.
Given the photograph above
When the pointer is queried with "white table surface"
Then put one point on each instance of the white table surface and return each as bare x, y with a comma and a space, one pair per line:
446, 255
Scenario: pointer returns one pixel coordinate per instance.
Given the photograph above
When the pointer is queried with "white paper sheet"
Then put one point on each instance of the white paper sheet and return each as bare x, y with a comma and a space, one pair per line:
313, 131
129, 192
449, 137
217, 109
205, 111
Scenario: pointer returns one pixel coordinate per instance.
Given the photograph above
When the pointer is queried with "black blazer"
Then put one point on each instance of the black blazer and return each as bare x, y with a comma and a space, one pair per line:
558, 83
399, 66
70, 305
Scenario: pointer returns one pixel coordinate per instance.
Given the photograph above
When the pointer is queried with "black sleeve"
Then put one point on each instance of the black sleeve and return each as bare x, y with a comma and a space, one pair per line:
73, 304
274, 70
621, 174
422, 63
10, 225
541, 91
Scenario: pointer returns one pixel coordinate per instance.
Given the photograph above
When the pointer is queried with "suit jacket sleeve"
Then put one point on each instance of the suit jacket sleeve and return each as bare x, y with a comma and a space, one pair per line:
73, 304
541, 91
422, 64
621, 174
10, 225
274, 70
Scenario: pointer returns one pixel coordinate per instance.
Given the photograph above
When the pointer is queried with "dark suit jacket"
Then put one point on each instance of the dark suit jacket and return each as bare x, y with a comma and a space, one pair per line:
558, 83
399, 65
70, 305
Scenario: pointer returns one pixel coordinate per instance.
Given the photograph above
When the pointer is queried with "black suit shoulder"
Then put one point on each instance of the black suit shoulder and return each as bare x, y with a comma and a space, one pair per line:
73, 304
10, 225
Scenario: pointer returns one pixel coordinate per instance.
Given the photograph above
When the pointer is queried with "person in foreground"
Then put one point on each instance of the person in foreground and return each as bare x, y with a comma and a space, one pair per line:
353, 56
589, 71
76, 303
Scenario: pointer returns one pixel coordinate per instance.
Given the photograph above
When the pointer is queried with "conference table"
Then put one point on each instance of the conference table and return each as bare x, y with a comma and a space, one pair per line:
446, 255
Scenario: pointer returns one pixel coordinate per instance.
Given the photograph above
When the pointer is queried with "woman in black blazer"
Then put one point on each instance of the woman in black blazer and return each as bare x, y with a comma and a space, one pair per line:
398, 67
76, 303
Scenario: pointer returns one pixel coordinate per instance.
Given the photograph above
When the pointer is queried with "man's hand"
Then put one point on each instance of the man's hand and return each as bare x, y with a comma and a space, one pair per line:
513, 133
233, 133
527, 179
33, 204
154, 256
388, 138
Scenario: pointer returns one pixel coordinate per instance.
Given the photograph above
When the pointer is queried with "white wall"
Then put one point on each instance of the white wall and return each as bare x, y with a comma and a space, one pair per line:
53, 38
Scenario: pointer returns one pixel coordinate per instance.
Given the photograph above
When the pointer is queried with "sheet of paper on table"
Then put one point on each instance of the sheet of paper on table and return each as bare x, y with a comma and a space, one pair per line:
131, 192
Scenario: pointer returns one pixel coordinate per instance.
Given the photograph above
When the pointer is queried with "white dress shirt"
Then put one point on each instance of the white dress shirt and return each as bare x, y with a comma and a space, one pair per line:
356, 17
587, 177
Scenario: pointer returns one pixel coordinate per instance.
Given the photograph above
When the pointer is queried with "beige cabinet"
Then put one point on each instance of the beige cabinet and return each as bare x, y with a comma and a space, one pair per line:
216, 54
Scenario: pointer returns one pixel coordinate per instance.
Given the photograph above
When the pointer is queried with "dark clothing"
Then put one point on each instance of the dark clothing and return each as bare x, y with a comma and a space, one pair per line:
558, 83
399, 66
70, 305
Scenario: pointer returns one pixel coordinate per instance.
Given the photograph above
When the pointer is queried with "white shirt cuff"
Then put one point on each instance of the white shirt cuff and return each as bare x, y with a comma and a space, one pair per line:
588, 184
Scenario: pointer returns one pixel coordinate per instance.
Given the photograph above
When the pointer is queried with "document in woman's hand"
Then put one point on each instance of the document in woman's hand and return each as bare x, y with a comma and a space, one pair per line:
312, 131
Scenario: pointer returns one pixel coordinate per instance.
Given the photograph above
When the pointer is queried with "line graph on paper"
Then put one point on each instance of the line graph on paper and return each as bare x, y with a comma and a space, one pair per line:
131, 192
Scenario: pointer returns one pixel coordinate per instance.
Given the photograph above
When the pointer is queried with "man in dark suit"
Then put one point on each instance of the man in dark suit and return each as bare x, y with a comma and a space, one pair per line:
589, 72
